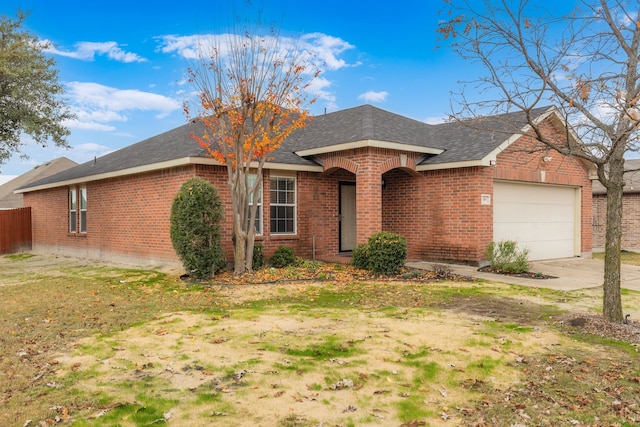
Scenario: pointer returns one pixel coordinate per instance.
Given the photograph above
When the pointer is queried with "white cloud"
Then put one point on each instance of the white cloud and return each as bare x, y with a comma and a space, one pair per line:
88, 125
87, 51
96, 102
327, 49
324, 51
91, 147
435, 120
318, 89
372, 96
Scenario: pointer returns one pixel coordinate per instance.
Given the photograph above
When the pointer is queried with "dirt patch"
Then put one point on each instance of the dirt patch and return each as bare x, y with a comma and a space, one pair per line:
324, 367
503, 309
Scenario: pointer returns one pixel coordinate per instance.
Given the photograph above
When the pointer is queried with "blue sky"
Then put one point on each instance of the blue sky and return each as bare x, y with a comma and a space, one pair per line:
125, 75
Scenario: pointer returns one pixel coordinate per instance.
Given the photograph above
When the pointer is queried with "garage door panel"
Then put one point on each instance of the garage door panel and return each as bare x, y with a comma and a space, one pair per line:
538, 217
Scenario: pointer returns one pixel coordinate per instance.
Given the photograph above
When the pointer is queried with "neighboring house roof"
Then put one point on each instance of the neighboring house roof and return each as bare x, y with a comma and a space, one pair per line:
10, 200
631, 178
445, 145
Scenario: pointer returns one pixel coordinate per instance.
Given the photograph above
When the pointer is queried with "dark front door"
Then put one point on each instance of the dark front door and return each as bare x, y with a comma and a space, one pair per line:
347, 216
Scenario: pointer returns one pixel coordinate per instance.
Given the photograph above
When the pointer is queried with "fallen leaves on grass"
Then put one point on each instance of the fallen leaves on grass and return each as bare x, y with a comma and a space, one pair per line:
562, 387
319, 271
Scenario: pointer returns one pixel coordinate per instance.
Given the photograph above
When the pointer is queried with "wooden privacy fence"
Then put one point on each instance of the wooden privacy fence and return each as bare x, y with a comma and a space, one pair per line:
15, 230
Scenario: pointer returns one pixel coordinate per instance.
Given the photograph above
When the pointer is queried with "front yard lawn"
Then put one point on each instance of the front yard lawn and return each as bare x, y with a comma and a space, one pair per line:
92, 344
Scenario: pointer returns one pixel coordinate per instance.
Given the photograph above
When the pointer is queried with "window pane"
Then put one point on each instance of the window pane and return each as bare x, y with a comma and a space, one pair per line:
258, 221
83, 221
72, 210
72, 199
252, 179
72, 221
83, 198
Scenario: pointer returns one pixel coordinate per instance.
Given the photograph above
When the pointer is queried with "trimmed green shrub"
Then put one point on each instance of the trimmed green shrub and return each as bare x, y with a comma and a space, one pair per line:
258, 256
283, 257
387, 252
384, 253
505, 256
196, 213
360, 257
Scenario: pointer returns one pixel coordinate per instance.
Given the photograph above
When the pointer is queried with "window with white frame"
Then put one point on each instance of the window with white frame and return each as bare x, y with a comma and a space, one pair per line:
73, 210
258, 223
77, 210
83, 209
283, 205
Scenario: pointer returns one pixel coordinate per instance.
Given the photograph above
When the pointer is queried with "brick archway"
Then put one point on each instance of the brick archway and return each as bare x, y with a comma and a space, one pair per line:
402, 162
340, 163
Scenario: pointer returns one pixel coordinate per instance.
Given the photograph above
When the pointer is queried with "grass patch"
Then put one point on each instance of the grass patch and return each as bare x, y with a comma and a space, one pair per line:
20, 256
626, 257
412, 408
330, 347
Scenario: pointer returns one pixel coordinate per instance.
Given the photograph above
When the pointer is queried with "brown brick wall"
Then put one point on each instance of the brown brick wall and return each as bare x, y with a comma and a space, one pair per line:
127, 218
630, 221
458, 226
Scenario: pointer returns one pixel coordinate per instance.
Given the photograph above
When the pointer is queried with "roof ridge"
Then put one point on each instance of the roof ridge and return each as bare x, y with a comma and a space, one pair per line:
367, 122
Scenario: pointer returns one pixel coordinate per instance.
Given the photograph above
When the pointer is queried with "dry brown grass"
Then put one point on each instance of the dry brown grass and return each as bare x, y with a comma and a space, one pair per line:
97, 344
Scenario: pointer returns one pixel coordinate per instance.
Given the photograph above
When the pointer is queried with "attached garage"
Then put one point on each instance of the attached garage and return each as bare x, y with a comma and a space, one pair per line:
543, 218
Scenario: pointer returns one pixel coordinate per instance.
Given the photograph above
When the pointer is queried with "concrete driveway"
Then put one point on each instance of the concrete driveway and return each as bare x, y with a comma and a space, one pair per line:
571, 274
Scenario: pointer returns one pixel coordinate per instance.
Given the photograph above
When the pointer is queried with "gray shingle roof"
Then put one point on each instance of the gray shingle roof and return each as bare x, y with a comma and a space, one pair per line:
474, 139
461, 141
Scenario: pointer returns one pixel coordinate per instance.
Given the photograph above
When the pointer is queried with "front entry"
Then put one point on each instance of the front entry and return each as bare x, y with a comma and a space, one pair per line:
347, 216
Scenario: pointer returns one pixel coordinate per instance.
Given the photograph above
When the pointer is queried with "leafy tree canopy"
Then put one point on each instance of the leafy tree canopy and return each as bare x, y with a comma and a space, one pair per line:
30, 94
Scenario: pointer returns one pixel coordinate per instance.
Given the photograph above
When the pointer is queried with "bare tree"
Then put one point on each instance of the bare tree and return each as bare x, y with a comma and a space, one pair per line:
251, 90
585, 63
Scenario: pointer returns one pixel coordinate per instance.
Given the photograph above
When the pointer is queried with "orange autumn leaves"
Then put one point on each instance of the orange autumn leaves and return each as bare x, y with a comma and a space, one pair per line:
241, 135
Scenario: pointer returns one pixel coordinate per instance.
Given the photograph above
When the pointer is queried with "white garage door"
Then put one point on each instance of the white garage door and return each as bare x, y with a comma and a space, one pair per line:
543, 218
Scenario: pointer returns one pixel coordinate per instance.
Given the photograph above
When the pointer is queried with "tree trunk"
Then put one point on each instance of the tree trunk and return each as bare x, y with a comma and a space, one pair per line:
239, 248
612, 301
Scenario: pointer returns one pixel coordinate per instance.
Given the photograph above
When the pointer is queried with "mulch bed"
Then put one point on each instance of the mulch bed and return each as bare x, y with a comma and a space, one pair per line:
528, 274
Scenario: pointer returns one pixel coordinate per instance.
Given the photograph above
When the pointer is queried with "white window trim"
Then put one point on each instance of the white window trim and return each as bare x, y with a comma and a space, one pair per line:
295, 204
72, 204
82, 224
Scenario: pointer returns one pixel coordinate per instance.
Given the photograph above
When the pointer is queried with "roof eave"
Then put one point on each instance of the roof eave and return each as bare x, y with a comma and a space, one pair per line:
455, 165
369, 143
159, 166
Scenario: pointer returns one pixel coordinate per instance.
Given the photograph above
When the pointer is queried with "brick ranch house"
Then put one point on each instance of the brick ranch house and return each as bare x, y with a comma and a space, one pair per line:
449, 188
630, 209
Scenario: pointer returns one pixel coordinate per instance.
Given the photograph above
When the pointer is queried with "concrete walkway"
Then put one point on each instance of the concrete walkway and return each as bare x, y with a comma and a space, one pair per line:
571, 274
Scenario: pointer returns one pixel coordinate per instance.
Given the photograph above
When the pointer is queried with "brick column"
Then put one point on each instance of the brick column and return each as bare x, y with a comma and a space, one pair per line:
368, 201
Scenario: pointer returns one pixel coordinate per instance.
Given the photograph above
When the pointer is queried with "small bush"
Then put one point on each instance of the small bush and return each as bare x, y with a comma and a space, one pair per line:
258, 256
504, 256
384, 253
360, 257
283, 257
387, 252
